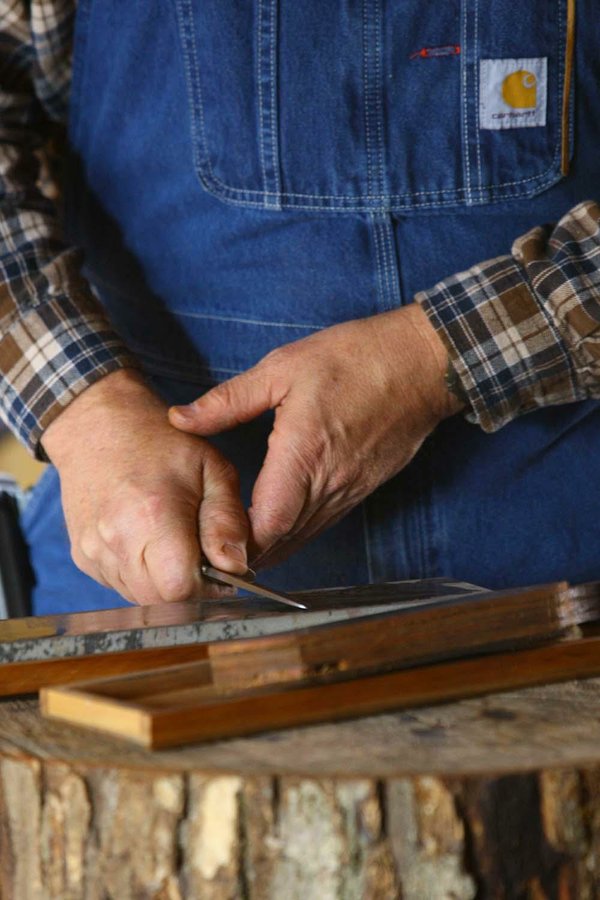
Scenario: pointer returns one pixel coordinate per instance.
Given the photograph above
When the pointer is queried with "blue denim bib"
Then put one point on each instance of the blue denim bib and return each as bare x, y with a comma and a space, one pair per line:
245, 173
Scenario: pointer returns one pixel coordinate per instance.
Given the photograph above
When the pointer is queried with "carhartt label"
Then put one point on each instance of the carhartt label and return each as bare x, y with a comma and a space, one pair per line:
513, 92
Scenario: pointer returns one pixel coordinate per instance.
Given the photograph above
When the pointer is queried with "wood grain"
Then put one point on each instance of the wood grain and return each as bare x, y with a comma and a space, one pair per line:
28, 677
335, 672
205, 713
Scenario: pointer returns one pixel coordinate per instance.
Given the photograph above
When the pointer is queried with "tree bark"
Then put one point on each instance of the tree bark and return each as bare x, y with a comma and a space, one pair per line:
490, 798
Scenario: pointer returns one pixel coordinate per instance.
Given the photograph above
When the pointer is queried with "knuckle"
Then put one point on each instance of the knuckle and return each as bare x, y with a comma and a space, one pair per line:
80, 560
136, 581
280, 356
344, 477
224, 471
216, 516
174, 570
88, 546
222, 395
175, 587
308, 448
221, 526
85, 554
276, 522
109, 532
122, 537
144, 593
106, 529
152, 508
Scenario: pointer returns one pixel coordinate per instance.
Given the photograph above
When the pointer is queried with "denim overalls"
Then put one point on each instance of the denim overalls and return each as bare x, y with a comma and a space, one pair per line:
246, 172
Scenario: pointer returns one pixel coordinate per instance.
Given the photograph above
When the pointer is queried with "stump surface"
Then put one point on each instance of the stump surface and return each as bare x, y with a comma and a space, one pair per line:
494, 797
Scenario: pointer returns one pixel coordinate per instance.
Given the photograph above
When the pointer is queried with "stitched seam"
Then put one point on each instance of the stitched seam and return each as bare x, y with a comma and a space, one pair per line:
484, 91
392, 197
561, 62
466, 148
268, 105
570, 50
383, 299
194, 87
542, 177
366, 80
477, 66
183, 7
396, 298
394, 280
360, 207
379, 97
102, 282
392, 291
386, 263
243, 321
261, 107
380, 275
274, 115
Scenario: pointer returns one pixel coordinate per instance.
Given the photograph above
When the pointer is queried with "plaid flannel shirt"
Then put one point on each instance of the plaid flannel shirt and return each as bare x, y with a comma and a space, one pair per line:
522, 330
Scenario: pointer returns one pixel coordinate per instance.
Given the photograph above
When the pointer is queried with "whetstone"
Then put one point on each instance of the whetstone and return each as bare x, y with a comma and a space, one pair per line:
61, 649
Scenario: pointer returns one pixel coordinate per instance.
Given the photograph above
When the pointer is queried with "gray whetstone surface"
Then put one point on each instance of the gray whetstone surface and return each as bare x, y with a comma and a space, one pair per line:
133, 628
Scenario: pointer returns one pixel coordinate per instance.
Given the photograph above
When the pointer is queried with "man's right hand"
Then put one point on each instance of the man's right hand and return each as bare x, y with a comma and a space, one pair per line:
140, 498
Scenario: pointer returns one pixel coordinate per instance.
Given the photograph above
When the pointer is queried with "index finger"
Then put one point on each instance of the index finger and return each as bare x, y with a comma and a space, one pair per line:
223, 522
282, 496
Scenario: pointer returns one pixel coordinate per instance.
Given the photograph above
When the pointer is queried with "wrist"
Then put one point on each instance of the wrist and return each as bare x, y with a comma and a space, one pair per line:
441, 385
84, 423
455, 387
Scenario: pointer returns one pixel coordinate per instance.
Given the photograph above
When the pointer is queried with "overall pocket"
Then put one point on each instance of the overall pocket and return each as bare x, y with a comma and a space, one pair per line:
365, 105
517, 119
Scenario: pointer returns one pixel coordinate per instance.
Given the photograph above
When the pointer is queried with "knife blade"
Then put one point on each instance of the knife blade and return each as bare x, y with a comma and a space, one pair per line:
246, 585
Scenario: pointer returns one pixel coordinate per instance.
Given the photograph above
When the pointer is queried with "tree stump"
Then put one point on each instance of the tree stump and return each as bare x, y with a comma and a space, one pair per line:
488, 798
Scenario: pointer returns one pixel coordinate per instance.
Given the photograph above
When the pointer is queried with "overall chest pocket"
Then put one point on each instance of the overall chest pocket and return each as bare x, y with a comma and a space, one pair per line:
360, 105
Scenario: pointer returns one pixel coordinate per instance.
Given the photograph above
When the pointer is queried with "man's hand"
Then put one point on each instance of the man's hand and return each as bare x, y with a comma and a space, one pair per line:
353, 404
140, 498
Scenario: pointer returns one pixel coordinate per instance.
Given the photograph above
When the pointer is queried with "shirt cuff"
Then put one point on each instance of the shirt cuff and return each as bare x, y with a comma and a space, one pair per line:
49, 356
503, 344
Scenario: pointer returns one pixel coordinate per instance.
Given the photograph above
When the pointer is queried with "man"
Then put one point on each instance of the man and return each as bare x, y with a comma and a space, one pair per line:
261, 190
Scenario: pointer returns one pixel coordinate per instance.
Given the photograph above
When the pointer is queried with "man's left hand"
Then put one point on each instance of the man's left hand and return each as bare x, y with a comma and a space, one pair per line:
353, 403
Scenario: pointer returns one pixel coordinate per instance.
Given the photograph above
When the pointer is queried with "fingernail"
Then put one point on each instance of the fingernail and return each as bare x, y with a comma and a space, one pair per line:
182, 412
235, 551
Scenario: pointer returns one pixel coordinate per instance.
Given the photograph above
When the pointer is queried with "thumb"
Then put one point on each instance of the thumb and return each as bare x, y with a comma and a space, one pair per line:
228, 404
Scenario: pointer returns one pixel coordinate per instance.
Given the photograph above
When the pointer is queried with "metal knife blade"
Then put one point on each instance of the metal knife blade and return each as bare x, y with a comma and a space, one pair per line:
246, 585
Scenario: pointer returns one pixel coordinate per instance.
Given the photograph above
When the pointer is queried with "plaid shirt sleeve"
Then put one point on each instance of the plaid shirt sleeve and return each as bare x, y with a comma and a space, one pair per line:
54, 337
523, 331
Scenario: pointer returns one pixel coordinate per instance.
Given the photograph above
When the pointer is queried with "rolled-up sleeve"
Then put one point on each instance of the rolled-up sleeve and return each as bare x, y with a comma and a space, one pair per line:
55, 339
523, 330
